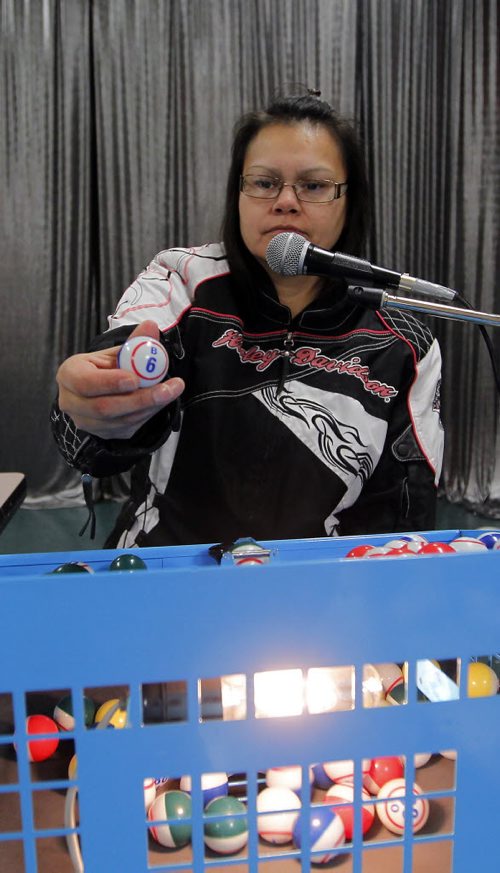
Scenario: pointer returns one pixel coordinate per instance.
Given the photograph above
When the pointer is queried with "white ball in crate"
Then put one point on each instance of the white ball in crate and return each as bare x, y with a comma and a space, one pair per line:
149, 792
287, 777
343, 771
468, 544
277, 827
391, 811
421, 759
212, 785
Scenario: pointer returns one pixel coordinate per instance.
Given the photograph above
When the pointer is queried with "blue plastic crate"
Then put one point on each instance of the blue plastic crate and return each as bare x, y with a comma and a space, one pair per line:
187, 619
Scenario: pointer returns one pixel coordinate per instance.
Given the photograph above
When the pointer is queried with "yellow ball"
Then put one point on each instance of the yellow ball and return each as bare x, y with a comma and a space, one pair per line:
73, 768
482, 681
117, 720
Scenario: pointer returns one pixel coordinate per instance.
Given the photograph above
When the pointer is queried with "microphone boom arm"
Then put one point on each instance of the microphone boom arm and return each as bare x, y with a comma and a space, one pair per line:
380, 299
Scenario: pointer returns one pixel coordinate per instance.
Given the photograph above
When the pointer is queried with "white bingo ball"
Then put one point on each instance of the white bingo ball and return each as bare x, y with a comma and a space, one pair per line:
421, 759
212, 785
277, 827
149, 792
146, 358
450, 754
343, 771
287, 777
468, 544
391, 676
404, 543
391, 811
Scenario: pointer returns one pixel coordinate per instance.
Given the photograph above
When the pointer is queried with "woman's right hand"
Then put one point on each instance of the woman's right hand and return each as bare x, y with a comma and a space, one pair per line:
106, 401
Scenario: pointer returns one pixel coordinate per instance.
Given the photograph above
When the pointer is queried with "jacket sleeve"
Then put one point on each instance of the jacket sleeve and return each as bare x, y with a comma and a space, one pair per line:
100, 457
401, 494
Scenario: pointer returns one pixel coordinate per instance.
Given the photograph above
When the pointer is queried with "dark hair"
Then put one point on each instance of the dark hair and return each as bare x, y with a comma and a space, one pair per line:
292, 110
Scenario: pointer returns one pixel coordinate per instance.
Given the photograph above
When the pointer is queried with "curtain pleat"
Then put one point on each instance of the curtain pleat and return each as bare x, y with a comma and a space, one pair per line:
115, 132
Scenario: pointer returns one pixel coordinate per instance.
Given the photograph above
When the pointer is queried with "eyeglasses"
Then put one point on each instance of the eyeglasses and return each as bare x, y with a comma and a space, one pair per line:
309, 190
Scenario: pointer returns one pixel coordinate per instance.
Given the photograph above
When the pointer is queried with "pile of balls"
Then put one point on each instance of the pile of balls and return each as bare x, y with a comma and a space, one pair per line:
111, 713
226, 826
279, 819
126, 562
410, 545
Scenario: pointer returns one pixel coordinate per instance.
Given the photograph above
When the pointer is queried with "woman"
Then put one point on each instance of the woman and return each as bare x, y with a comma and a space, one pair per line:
290, 412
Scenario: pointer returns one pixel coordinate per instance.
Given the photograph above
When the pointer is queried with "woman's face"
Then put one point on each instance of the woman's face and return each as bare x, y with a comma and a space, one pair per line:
292, 152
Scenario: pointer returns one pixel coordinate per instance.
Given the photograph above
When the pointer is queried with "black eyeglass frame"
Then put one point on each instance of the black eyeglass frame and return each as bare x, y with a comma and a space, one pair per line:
339, 189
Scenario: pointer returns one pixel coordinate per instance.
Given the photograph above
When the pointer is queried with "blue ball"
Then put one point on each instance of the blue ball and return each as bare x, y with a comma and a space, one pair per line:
321, 780
490, 538
326, 833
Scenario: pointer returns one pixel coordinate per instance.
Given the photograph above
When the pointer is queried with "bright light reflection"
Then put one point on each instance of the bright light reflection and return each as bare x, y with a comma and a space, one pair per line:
278, 693
329, 688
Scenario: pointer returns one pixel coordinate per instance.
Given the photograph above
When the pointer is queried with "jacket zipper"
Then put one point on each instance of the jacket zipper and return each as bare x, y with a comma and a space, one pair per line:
285, 360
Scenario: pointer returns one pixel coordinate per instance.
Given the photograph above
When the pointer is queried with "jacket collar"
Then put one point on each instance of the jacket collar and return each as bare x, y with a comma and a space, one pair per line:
331, 311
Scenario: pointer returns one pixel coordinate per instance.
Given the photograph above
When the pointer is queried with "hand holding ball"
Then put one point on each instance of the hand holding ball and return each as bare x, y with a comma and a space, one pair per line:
146, 358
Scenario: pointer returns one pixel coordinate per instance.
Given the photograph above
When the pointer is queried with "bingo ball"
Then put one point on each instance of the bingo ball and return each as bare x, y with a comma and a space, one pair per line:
436, 549
391, 676
326, 830
344, 794
277, 826
63, 713
146, 358
468, 544
382, 770
176, 807
73, 768
128, 562
343, 771
421, 759
228, 832
404, 544
320, 777
490, 538
360, 551
392, 811
413, 538
287, 777
212, 785
379, 552
149, 792
72, 567
373, 687
482, 681
119, 717
40, 750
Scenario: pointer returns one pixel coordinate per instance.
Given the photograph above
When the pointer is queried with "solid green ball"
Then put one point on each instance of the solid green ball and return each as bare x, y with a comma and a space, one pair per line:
73, 567
128, 562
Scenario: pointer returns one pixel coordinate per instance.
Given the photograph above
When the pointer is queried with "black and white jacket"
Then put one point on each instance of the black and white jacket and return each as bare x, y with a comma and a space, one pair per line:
325, 424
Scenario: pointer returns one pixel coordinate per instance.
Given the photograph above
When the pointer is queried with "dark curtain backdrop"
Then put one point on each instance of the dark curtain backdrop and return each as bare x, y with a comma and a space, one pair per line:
115, 127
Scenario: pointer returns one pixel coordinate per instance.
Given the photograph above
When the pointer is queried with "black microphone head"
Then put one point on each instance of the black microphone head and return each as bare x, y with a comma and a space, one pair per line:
286, 252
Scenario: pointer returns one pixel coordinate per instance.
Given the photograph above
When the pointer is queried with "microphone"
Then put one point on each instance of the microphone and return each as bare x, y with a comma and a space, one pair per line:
290, 254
